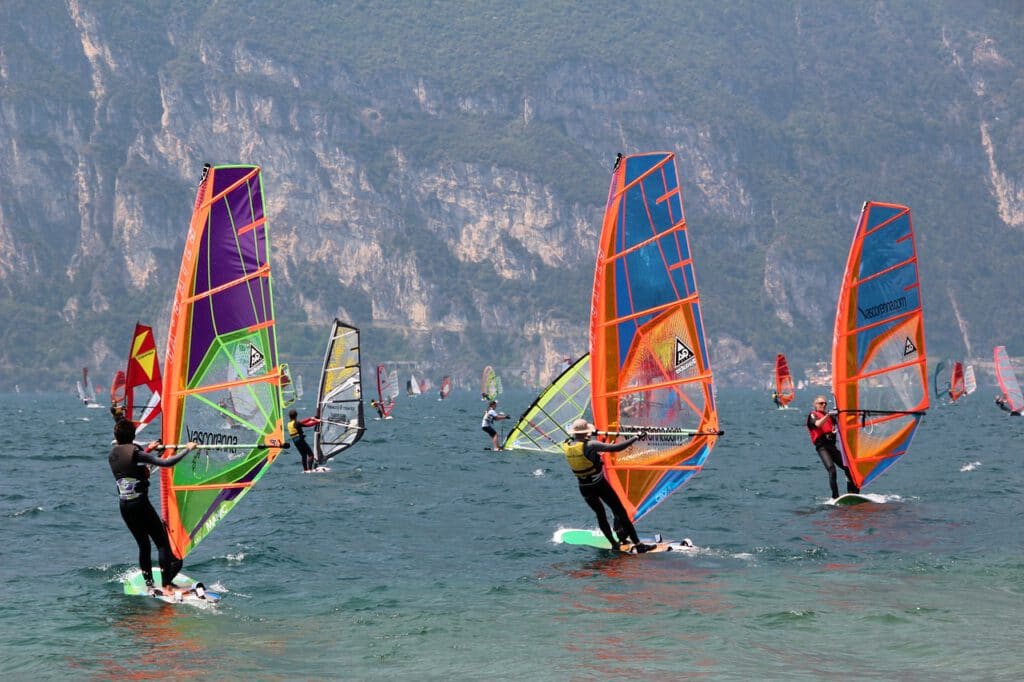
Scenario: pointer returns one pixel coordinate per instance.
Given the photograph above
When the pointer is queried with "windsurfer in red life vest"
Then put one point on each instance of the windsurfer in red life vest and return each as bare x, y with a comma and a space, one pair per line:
298, 437
584, 458
822, 428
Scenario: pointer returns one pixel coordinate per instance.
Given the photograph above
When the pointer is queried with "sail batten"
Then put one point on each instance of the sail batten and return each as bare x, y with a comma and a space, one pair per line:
649, 360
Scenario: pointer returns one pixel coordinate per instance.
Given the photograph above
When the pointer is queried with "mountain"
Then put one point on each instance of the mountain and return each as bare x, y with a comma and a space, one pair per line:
436, 172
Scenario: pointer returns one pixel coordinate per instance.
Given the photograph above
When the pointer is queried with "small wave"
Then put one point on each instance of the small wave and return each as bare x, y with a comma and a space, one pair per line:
24, 512
970, 467
239, 557
538, 473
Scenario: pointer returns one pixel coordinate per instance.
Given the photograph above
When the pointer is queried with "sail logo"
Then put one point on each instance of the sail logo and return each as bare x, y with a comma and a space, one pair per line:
893, 306
908, 347
685, 359
210, 437
256, 358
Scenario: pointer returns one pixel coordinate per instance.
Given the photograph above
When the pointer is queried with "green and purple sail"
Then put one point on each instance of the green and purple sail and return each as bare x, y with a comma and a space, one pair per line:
222, 383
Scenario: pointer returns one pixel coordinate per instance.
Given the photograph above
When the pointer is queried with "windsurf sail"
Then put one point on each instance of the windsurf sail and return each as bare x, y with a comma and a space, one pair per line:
339, 403
545, 423
879, 364
143, 382
1007, 379
941, 379
956, 382
222, 382
387, 389
649, 358
490, 384
117, 389
784, 389
86, 391
412, 386
446, 387
970, 382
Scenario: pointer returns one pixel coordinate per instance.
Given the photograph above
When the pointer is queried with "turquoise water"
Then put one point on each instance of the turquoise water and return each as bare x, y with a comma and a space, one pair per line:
421, 555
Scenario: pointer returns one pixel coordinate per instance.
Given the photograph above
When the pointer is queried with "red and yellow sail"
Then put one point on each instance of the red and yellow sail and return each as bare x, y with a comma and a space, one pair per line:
784, 389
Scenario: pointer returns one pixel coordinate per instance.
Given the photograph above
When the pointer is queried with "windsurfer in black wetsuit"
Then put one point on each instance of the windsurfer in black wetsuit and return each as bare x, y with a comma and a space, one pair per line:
584, 458
298, 437
1004, 405
821, 426
128, 462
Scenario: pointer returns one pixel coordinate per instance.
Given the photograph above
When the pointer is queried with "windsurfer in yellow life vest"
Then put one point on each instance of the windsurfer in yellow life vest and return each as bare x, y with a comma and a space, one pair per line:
822, 429
117, 412
130, 465
298, 437
584, 458
487, 425
775, 399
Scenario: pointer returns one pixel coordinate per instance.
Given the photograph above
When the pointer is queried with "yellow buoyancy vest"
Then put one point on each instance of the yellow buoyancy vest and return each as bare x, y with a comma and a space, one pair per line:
578, 462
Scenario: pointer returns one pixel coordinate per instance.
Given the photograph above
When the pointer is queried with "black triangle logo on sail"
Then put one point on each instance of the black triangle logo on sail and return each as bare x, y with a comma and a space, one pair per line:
255, 358
908, 347
684, 356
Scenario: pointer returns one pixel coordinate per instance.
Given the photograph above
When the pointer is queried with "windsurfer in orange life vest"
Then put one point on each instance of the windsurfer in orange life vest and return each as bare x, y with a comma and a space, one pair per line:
584, 458
822, 428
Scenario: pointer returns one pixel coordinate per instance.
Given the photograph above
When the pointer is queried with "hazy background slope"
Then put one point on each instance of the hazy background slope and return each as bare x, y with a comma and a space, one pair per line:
436, 172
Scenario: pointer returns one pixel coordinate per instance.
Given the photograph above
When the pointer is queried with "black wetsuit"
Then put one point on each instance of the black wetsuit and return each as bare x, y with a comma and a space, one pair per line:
595, 489
831, 458
298, 437
128, 464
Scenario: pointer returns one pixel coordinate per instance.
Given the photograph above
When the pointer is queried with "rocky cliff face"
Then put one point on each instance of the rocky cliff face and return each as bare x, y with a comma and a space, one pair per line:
452, 259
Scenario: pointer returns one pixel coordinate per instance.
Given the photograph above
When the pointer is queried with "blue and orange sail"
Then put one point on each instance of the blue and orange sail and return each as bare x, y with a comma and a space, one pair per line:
649, 359
879, 373
222, 381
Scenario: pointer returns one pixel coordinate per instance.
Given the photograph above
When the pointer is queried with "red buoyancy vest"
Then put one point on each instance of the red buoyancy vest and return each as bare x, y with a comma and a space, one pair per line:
827, 426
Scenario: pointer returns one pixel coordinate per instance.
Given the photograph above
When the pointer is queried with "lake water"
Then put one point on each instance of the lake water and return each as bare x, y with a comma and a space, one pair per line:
420, 555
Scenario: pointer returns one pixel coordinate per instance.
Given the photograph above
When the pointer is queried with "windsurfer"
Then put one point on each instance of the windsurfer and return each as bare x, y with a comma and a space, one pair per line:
1004, 405
775, 399
298, 437
487, 425
377, 406
128, 462
822, 428
584, 458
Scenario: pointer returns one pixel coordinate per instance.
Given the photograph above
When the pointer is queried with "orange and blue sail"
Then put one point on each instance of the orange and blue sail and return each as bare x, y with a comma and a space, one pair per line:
879, 373
222, 381
649, 358
1007, 379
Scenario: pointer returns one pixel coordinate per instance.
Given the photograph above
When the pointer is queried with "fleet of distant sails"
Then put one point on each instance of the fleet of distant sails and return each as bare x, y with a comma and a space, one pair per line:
647, 370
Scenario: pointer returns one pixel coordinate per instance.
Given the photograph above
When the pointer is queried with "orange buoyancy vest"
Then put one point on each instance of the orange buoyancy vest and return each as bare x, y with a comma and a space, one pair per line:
827, 426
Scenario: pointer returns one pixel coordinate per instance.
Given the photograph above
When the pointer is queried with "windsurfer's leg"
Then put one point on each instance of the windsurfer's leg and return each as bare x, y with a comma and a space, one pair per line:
594, 502
623, 526
134, 517
154, 528
830, 467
